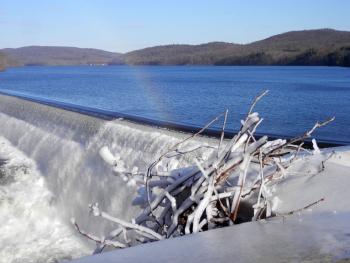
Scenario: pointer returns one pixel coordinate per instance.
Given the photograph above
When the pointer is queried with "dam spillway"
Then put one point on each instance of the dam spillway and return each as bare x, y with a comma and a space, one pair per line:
53, 171
50, 171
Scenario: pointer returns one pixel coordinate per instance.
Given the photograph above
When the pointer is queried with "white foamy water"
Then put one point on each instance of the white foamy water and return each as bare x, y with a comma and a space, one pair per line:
54, 171
30, 226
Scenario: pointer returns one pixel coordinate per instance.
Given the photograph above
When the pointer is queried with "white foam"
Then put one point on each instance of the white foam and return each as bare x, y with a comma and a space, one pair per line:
65, 176
31, 230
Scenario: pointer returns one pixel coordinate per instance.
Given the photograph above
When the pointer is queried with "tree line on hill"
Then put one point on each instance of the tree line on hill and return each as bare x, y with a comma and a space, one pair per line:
2, 62
309, 57
308, 47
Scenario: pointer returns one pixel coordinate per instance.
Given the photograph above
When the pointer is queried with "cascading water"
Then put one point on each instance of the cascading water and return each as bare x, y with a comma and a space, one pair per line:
53, 171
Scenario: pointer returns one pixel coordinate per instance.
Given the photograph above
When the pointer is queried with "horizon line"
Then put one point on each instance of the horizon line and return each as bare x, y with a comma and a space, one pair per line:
175, 44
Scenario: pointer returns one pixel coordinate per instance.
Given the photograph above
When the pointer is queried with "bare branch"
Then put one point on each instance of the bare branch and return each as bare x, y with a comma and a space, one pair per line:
255, 101
112, 243
208, 194
301, 209
222, 133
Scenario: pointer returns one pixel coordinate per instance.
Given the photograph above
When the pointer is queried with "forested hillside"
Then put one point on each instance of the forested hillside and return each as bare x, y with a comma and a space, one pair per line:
2, 62
43, 55
309, 47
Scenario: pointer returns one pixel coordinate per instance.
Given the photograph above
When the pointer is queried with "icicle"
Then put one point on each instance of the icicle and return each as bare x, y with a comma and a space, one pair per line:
315, 146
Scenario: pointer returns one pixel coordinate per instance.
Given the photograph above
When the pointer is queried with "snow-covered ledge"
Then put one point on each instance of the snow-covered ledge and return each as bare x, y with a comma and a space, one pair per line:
308, 237
320, 233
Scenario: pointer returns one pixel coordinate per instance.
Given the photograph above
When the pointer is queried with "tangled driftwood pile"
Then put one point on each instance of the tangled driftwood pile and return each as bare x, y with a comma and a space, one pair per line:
212, 193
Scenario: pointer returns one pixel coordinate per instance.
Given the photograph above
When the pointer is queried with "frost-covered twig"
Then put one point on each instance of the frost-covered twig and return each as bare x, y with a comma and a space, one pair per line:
141, 229
99, 241
306, 135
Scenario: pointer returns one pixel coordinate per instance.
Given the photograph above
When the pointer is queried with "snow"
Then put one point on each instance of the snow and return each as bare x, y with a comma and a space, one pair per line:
320, 233
108, 157
299, 238
306, 183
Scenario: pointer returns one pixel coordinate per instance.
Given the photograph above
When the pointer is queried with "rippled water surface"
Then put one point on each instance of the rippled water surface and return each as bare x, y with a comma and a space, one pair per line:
299, 96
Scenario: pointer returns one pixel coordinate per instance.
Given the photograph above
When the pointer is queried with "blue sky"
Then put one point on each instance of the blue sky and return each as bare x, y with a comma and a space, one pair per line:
128, 25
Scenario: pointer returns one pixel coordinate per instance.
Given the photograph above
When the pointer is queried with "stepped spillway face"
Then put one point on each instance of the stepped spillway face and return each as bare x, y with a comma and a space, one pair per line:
51, 171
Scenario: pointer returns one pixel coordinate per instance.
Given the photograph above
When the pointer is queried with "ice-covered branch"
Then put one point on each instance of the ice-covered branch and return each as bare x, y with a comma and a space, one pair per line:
214, 192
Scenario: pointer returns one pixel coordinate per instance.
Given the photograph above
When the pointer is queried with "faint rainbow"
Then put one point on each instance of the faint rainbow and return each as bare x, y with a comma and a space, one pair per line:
151, 91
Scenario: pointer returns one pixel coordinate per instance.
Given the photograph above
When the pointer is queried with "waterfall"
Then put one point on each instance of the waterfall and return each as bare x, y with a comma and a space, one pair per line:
62, 148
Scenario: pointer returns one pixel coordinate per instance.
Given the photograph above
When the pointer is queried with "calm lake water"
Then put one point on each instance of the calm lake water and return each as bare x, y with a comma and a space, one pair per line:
298, 97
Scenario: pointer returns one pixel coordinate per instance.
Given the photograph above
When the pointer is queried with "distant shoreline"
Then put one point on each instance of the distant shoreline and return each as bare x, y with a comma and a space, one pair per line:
127, 65
320, 47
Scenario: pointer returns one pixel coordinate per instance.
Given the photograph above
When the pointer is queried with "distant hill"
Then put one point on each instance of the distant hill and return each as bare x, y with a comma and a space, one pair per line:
204, 54
5, 62
2, 62
308, 47
43, 55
